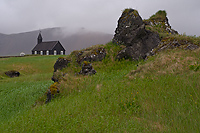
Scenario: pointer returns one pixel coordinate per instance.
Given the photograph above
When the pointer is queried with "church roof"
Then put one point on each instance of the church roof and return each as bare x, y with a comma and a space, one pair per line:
45, 46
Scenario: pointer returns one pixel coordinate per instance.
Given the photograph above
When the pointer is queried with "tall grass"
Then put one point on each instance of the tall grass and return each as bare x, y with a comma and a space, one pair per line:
19, 94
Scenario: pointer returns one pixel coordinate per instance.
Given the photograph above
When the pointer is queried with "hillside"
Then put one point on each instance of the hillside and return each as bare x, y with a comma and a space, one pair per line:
157, 95
158, 92
14, 44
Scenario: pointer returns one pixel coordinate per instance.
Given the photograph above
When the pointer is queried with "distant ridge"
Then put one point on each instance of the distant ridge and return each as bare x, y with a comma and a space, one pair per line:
14, 44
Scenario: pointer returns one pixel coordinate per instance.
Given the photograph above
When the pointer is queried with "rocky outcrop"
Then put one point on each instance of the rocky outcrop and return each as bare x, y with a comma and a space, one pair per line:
61, 63
12, 73
91, 54
160, 21
87, 69
171, 43
170, 37
131, 32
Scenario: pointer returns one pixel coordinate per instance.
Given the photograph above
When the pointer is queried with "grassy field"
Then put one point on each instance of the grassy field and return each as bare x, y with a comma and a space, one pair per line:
160, 94
19, 94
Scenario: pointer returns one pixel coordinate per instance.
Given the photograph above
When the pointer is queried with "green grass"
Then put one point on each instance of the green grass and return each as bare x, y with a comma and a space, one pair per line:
159, 16
19, 94
158, 98
28, 65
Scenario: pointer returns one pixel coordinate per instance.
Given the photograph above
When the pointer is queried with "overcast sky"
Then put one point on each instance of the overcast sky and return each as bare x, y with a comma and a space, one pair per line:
102, 15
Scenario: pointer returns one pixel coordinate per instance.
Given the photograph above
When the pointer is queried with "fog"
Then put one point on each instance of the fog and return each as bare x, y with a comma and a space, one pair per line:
96, 15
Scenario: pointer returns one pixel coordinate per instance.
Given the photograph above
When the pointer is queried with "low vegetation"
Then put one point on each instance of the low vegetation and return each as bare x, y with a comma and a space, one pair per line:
160, 94
19, 94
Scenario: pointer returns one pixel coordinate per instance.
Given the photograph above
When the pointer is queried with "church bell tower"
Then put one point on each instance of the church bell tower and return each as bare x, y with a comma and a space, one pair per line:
39, 39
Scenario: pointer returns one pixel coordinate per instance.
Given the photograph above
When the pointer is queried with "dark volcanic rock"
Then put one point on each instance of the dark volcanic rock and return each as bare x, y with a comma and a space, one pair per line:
131, 32
87, 69
191, 47
91, 54
171, 43
60, 63
12, 73
130, 28
141, 49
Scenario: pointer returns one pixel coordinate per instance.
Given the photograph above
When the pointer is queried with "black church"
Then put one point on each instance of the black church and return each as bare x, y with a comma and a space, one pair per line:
48, 48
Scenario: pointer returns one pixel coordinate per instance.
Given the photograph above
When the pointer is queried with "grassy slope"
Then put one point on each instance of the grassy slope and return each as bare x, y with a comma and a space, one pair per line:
19, 94
162, 95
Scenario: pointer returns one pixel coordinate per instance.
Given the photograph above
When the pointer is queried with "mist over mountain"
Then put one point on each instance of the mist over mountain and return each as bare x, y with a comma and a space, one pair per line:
14, 44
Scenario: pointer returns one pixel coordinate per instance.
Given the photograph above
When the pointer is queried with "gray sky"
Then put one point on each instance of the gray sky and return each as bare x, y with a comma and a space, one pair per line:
102, 15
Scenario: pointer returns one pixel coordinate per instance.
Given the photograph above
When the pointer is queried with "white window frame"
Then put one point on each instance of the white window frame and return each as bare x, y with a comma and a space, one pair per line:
47, 53
35, 52
41, 52
55, 52
61, 52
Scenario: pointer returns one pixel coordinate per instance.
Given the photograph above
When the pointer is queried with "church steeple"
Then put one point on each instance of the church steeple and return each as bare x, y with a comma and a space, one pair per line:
39, 39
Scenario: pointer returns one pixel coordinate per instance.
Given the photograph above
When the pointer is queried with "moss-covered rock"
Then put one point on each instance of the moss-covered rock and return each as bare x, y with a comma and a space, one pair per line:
95, 53
87, 69
61, 63
131, 32
159, 23
172, 42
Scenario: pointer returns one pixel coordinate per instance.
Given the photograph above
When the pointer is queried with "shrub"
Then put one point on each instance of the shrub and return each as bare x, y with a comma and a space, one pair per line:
54, 89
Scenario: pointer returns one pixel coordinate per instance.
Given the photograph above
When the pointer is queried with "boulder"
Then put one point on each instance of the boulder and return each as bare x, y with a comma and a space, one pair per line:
12, 73
131, 32
61, 63
91, 54
87, 69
